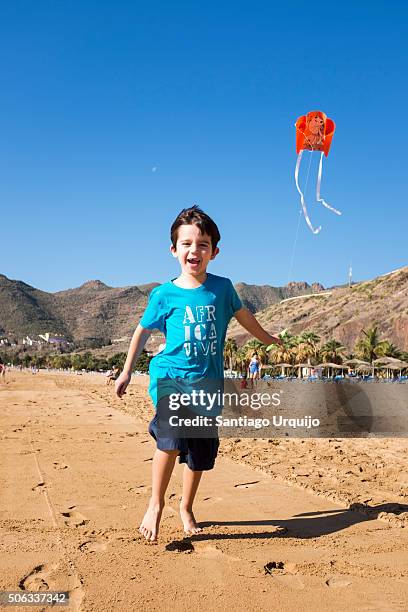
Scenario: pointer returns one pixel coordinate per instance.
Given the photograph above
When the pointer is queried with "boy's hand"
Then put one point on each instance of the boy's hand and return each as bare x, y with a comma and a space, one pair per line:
249, 322
121, 384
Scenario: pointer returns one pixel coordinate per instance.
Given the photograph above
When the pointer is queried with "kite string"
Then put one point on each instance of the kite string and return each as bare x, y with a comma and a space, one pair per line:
292, 259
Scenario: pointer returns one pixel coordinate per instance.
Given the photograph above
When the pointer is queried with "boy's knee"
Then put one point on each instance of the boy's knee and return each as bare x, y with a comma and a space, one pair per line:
170, 453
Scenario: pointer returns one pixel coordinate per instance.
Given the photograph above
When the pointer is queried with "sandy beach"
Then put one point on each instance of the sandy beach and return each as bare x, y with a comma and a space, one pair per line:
289, 524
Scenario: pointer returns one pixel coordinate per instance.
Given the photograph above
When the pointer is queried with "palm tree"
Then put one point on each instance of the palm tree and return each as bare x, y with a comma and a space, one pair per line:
387, 349
369, 346
255, 346
284, 353
333, 351
241, 360
230, 349
306, 347
310, 340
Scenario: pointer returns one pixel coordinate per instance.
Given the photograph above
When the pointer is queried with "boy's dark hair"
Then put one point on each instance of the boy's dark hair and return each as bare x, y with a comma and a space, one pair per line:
195, 216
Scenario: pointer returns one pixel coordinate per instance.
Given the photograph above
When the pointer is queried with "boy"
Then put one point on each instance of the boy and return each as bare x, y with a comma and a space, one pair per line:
193, 311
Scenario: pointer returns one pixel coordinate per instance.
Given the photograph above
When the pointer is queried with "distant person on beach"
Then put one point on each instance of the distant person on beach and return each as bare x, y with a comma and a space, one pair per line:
244, 382
193, 311
112, 375
254, 368
2, 372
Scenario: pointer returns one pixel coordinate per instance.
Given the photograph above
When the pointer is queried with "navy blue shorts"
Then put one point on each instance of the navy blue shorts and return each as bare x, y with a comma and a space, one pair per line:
198, 453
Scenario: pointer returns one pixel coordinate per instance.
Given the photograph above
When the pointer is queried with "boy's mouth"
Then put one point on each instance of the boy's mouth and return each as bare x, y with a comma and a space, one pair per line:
193, 261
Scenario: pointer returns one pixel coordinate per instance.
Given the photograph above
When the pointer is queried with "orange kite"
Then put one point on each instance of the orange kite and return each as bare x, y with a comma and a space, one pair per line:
314, 132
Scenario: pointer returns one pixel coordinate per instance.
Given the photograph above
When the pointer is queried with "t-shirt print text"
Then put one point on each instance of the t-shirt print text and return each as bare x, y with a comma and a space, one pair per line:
200, 333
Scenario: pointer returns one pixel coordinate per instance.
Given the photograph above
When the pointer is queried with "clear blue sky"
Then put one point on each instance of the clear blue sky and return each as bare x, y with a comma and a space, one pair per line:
115, 115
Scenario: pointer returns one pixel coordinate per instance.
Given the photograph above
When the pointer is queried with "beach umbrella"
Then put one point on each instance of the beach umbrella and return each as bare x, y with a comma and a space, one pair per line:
299, 366
283, 366
334, 366
398, 365
364, 368
391, 363
355, 362
390, 360
383, 360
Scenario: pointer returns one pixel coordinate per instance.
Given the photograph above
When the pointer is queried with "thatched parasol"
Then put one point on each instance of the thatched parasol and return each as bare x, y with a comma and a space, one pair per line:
357, 362
330, 366
364, 368
391, 361
283, 366
300, 366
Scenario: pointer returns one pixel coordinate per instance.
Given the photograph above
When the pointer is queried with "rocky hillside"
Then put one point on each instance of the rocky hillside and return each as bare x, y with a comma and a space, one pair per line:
96, 311
24, 309
258, 297
341, 313
92, 311
108, 314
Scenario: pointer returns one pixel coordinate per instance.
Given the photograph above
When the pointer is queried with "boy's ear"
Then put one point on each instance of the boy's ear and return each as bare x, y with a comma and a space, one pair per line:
173, 251
215, 253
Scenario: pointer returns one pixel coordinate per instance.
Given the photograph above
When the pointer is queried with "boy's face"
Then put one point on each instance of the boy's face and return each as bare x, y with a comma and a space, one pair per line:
193, 250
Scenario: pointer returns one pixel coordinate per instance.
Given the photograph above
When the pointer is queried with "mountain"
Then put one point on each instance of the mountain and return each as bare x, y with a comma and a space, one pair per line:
92, 311
24, 310
342, 312
99, 314
95, 311
258, 297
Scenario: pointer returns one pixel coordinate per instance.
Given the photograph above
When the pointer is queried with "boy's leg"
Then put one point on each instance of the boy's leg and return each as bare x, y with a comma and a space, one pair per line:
191, 480
163, 464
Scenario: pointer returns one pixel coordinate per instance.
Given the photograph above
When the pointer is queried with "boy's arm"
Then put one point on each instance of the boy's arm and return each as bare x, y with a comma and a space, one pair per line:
137, 343
248, 321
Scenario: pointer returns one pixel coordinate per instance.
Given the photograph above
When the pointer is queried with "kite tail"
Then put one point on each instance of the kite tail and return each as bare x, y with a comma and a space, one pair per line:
319, 182
302, 199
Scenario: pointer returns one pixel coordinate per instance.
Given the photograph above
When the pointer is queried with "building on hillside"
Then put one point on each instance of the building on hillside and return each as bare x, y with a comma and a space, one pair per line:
56, 339
5, 341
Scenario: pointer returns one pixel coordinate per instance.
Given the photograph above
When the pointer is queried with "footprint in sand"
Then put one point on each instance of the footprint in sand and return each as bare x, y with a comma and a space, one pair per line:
74, 518
40, 487
92, 546
209, 551
293, 582
59, 466
204, 550
138, 489
246, 485
38, 578
273, 567
212, 500
338, 582
180, 546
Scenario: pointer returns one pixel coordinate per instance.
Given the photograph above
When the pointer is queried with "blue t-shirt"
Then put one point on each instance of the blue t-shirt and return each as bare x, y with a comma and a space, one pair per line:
195, 323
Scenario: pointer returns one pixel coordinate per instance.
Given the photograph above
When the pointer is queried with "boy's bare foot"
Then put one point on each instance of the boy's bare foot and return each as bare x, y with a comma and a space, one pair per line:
149, 527
189, 522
